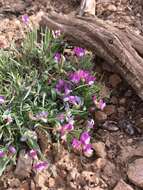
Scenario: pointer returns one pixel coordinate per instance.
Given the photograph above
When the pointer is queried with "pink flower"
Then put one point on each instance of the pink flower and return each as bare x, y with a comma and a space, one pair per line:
82, 75
94, 99
25, 19
85, 138
90, 79
90, 124
76, 144
66, 128
2, 154
75, 100
33, 154
57, 57
41, 166
2, 99
64, 137
87, 149
41, 116
12, 149
56, 34
63, 87
79, 52
102, 104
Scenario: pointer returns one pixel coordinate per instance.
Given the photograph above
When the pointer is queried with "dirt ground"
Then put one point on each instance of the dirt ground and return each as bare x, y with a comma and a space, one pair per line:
118, 141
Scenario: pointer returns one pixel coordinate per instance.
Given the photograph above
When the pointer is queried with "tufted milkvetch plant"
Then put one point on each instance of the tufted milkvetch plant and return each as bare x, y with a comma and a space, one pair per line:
41, 86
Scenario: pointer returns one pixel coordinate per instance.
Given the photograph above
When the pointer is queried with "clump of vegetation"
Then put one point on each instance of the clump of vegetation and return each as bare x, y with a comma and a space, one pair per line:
43, 87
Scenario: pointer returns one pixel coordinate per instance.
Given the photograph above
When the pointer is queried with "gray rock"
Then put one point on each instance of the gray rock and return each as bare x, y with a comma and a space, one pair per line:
139, 123
135, 172
111, 8
121, 185
100, 149
100, 116
111, 172
24, 165
110, 126
100, 163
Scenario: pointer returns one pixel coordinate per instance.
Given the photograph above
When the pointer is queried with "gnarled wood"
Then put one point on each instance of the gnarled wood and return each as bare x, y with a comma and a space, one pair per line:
120, 47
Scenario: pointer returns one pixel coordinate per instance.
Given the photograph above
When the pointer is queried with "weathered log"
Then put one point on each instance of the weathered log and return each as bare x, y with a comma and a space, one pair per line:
121, 48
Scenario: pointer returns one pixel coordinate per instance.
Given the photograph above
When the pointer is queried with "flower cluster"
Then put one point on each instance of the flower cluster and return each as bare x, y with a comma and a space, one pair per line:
63, 87
42, 116
65, 129
83, 144
81, 75
39, 165
10, 150
100, 104
66, 89
79, 52
56, 92
39, 116
74, 100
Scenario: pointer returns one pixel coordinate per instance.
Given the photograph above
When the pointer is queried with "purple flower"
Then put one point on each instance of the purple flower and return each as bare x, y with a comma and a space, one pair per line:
94, 99
41, 166
33, 154
75, 100
12, 149
82, 75
102, 104
2, 99
79, 52
25, 19
64, 137
56, 34
85, 138
90, 79
2, 154
66, 128
87, 149
42, 116
75, 77
63, 87
57, 57
76, 144
90, 124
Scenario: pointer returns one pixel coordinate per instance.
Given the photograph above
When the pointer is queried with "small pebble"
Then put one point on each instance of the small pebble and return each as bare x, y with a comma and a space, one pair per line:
110, 126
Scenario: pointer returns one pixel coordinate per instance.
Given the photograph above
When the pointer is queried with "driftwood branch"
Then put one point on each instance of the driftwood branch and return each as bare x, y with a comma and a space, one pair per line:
122, 48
